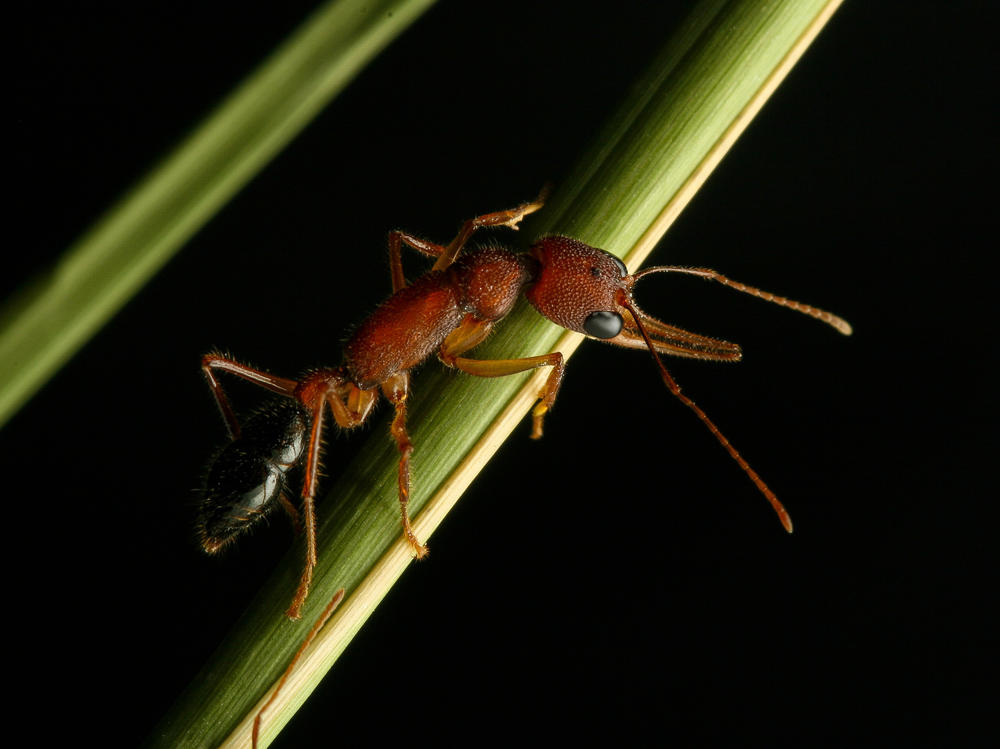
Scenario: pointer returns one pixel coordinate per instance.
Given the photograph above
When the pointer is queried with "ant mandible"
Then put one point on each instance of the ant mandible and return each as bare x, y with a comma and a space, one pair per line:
448, 310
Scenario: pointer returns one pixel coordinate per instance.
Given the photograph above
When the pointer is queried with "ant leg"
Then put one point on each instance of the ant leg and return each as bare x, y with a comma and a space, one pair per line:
216, 361
396, 240
446, 255
504, 367
396, 389
470, 333
309, 512
510, 218
316, 627
280, 385
314, 392
293, 514
353, 409
324, 386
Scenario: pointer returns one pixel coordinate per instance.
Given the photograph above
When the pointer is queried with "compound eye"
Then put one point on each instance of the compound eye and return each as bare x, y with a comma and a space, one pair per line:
602, 324
621, 266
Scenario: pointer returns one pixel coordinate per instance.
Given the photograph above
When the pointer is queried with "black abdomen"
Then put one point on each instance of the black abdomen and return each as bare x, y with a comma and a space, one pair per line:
251, 472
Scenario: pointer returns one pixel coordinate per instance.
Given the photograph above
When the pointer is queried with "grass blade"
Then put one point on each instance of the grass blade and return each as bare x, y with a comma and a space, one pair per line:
46, 323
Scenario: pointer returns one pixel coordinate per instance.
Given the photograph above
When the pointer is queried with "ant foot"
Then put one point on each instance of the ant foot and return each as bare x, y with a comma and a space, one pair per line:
537, 420
520, 213
419, 550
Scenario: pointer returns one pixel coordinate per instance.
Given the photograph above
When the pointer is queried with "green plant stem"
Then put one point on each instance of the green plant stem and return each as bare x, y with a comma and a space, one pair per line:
696, 98
47, 322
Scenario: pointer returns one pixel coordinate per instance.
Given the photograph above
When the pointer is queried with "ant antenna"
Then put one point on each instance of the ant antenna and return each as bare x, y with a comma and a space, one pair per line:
829, 318
674, 388
839, 323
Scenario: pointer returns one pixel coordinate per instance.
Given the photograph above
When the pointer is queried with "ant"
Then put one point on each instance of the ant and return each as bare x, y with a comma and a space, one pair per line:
448, 310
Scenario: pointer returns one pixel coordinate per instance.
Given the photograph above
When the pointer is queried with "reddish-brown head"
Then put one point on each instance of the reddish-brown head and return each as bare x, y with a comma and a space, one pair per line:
578, 286
589, 291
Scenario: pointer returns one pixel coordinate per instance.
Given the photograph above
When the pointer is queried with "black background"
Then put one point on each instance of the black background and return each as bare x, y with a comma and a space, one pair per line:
652, 596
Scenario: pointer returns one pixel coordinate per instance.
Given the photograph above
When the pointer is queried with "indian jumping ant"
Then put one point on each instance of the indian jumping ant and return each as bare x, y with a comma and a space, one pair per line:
448, 310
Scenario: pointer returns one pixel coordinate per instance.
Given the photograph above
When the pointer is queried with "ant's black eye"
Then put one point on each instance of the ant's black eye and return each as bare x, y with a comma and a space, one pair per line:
621, 266
602, 324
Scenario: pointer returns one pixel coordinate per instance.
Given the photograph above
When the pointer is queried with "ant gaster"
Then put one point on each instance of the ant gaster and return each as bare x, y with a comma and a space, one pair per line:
447, 311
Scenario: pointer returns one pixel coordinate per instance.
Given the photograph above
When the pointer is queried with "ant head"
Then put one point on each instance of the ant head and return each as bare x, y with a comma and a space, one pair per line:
580, 287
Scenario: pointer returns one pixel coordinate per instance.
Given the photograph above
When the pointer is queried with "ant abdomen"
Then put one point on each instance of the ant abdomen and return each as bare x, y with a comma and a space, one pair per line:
251, 472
